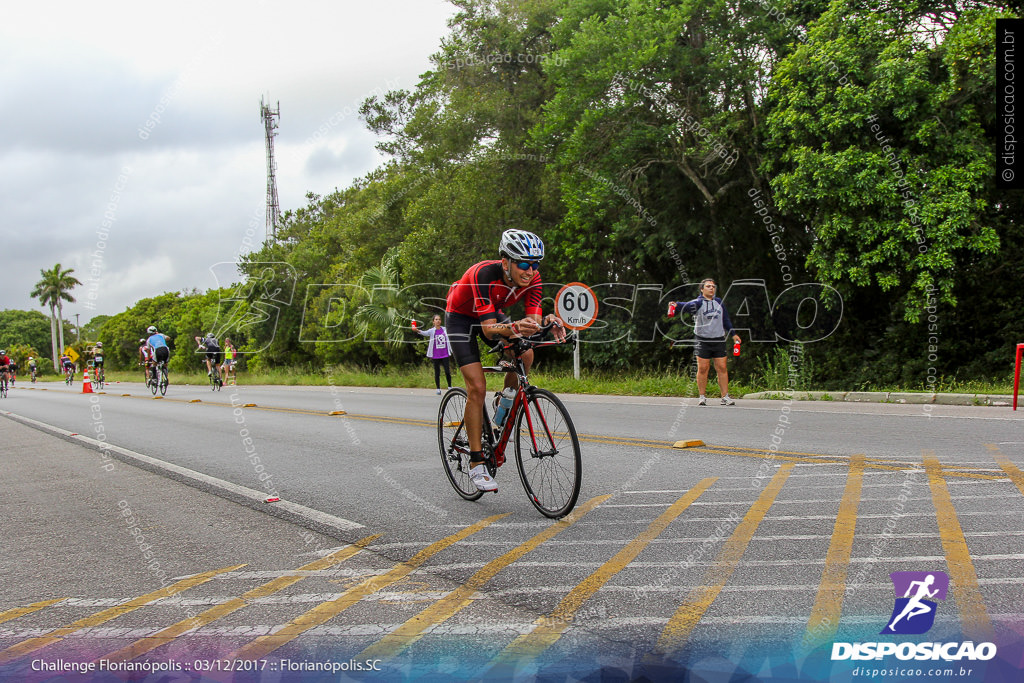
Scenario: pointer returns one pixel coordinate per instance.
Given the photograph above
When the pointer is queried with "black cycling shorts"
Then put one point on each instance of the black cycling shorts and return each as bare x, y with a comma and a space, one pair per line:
463, 331
161, 353
215, 356
710, 348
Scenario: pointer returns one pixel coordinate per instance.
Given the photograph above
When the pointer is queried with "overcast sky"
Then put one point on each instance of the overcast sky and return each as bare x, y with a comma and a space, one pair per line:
130, 137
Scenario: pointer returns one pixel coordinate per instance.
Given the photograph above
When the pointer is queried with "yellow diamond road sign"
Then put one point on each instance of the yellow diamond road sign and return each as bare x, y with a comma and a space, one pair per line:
71, 352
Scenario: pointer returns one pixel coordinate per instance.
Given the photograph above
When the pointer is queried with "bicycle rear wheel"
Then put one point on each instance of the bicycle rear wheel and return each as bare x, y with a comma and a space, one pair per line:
548, 454
453, 443
163, 381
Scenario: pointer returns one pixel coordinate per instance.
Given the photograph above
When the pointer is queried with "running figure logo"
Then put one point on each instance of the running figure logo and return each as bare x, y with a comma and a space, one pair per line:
914, 613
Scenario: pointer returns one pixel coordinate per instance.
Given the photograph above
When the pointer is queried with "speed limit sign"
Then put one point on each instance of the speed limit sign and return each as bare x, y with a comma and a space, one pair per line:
576, 305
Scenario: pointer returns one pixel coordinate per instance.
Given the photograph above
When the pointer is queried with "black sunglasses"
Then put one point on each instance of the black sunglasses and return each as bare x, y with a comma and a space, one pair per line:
527, 265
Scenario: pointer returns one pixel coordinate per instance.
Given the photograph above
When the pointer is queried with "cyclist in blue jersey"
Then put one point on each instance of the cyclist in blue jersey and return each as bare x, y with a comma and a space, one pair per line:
158, 342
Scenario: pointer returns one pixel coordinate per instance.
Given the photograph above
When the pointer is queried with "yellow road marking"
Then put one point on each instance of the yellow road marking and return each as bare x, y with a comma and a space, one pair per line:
144, 645
963, 579
828, 606
33, 644
1012, 471
16, 612
548, 629
326, 611
412, 630
789, 456
689, 614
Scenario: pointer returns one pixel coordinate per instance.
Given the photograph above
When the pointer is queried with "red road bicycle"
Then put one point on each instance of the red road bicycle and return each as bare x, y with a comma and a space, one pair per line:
546, 447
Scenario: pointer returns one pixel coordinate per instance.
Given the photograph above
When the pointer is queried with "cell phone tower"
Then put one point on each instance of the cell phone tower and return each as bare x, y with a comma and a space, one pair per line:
269, 117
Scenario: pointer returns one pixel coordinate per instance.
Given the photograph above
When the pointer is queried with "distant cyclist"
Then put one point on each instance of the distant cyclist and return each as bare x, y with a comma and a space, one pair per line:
67, 366
97, 361
5, 366
13, 371
33, 368
158, 342
214, 356
145, 359
476, 307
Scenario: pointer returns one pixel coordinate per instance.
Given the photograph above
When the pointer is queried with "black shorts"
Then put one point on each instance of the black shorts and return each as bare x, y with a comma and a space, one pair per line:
161, 354
710, 348
215, 356
462, 333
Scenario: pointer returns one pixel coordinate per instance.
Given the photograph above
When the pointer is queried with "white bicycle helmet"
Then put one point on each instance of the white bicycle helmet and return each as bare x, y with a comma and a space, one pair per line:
520, 244
151, 329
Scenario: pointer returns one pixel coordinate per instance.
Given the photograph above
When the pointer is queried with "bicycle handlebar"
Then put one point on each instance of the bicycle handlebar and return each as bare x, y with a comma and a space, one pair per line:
520, 345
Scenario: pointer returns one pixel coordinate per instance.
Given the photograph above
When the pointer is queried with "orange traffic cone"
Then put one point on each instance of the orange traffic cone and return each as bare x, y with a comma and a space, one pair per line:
86, 383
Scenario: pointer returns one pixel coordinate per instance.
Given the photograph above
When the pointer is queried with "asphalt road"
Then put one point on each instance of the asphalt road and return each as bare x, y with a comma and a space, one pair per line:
707, 558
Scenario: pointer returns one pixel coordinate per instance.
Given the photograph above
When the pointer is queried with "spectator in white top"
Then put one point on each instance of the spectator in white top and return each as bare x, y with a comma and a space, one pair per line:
437, 351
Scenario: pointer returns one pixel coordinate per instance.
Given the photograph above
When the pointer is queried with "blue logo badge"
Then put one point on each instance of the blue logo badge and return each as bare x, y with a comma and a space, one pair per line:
916, 593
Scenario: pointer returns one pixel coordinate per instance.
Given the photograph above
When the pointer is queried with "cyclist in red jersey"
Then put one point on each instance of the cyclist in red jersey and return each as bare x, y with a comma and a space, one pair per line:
5, 366
476, 307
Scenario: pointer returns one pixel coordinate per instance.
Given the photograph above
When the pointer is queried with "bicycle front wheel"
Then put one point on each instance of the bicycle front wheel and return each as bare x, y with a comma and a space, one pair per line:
548, 454
454, 444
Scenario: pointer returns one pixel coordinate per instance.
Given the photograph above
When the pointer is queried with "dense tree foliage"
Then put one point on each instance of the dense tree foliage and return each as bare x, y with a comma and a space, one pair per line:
763, 143
26, 328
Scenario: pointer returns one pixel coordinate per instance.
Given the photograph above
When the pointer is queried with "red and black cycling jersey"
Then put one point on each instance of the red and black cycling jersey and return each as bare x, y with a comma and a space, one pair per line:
481, 292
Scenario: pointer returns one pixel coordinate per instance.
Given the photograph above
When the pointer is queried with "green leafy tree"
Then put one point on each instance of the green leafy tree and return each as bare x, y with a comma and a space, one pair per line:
30, 328
879, 128
384, 318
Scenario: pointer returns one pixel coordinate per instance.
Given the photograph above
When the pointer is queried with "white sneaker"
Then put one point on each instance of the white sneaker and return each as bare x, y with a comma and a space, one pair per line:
481, 479
438, 392
703, 401
726, 401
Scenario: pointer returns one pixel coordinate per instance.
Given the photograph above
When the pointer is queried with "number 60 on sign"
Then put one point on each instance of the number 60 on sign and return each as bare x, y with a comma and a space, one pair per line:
576, 305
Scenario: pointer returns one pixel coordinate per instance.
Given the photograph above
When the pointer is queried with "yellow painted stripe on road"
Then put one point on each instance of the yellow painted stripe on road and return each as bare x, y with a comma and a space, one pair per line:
787, 456
828, 606
689, 614
1012, 471
963, 579
16, 612
548, 629
32, 644
326, 611
445, 608
144, 645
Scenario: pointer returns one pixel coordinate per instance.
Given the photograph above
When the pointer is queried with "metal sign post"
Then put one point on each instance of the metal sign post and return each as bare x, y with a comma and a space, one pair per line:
577, 306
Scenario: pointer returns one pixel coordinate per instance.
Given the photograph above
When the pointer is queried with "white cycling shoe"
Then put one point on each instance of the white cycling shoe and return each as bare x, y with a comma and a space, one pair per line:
482, 480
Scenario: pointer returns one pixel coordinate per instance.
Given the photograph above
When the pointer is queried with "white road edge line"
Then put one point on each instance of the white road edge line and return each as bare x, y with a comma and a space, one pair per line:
293, 512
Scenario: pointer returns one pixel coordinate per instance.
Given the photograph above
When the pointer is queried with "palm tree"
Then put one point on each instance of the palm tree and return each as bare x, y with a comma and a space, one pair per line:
51, 291
385, 316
